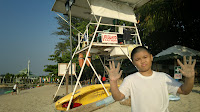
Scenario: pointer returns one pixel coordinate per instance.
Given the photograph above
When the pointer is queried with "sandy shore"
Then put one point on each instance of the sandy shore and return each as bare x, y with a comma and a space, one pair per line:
40, 100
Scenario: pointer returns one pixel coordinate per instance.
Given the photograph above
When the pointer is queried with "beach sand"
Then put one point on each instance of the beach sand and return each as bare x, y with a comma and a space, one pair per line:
40, 99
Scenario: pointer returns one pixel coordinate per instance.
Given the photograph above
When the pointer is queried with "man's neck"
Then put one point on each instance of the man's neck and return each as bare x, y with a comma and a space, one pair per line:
147, 73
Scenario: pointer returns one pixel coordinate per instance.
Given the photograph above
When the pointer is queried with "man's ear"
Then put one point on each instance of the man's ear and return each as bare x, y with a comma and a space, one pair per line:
151, 57
134, 65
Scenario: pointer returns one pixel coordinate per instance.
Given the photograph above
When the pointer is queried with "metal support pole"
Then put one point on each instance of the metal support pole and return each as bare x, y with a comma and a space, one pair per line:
128, 57
78, 81
98, 77
28, 67
92, 11
67, 22
87, 34
138, 34
70, 31
103, 64
79, 36
126, 54
104, 70
79, 76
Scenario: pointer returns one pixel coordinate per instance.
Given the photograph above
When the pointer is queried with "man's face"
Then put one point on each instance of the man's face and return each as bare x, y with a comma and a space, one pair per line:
143, 61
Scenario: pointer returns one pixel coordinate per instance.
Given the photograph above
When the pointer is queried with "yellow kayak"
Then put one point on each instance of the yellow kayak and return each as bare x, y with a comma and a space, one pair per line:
84, 96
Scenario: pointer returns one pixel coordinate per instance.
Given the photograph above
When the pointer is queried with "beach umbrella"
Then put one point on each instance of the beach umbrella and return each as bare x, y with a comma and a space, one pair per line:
175, 52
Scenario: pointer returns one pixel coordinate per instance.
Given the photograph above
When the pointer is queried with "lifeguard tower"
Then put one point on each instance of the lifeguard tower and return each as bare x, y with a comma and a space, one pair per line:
114, 43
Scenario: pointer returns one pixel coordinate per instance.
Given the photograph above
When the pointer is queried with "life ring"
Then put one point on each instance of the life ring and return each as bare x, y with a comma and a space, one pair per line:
89, 58
81, 59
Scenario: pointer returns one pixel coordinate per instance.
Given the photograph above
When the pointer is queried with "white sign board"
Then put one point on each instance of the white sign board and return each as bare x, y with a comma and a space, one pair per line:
109, 38
62, 68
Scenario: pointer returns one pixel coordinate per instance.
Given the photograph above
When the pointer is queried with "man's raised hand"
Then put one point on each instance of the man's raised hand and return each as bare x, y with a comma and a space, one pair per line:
187, 69
114, 73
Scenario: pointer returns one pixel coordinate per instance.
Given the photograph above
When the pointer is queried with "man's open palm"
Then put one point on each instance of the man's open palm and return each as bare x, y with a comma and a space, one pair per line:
187, 69
114, 73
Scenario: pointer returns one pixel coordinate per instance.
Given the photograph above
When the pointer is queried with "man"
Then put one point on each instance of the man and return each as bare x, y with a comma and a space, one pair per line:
14, 89
148, 89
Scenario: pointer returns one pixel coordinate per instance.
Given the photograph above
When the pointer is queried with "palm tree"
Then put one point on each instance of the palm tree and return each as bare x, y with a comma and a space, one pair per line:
61, 48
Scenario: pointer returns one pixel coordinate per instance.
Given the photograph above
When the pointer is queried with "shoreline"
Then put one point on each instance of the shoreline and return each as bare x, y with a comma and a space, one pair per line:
5, 85
19, 85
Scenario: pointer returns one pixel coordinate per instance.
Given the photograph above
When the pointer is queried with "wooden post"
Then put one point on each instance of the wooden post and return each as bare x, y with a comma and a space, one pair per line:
67, 82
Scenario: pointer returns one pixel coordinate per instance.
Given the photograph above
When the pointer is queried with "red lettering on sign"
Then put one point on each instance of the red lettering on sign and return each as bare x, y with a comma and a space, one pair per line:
109, 38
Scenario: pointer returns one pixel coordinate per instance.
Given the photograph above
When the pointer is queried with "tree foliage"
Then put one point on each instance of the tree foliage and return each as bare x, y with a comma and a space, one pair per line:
164, 23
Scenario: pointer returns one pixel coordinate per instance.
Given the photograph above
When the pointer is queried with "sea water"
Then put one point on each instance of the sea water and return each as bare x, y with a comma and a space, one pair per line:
4, 89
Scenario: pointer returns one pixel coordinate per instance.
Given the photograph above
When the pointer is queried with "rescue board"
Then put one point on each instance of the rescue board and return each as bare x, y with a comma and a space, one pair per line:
84, 96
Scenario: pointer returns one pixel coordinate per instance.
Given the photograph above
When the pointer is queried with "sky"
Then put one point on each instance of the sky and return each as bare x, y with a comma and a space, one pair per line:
26, 28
